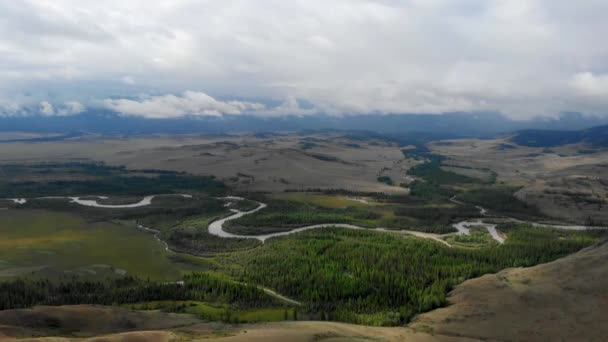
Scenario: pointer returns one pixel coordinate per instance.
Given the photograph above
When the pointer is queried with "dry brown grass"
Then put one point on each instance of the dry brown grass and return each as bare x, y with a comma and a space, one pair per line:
561, 182
247, 162
270, 332
84, 321
516, 165
328, 332
565, 300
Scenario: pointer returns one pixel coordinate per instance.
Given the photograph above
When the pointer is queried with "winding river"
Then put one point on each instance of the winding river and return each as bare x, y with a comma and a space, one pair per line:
217, 227
147, 200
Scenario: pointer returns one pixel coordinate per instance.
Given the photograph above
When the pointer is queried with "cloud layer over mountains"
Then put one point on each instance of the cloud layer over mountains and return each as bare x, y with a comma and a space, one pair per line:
182, 57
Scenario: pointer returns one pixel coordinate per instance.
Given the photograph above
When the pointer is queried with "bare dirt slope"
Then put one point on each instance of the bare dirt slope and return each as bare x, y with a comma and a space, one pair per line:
565, 300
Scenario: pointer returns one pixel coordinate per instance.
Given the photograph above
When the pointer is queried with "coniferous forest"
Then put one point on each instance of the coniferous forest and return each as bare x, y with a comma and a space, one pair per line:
381, 279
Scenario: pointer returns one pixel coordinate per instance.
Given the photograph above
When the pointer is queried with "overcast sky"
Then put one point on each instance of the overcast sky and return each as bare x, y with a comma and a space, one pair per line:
170, 58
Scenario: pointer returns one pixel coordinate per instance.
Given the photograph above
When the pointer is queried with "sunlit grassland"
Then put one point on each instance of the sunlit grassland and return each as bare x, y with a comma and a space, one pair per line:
219, 311
326, 201
53, 244
478, 237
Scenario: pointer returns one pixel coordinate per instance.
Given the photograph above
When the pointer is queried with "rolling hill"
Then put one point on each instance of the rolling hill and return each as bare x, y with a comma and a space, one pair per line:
595, 136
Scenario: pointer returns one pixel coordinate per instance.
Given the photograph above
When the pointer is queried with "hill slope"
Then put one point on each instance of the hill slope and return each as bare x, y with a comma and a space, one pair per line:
596, 136
563, 300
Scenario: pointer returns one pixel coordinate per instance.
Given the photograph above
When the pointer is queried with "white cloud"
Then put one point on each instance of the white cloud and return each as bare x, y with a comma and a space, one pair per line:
68, 108
344, 56
127, 80
589, 84
46, 108
9, 108
171, 106
290, 106
71, 108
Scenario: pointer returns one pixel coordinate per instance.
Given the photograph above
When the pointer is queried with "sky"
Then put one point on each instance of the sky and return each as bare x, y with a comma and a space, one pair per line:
159, 59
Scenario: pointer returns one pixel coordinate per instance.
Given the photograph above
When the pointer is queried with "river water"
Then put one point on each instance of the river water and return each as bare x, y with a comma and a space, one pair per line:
217, 227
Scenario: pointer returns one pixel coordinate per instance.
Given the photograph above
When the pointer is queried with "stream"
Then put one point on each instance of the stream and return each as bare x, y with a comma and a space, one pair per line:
217, 227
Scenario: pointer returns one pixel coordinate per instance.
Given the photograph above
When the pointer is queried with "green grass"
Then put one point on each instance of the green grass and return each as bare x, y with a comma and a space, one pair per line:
218, 311
321, 200
53, 244
266, 315
478, 237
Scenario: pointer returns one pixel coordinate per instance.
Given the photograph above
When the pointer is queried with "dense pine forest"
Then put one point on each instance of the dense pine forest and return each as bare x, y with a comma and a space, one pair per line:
382, 279
196, 286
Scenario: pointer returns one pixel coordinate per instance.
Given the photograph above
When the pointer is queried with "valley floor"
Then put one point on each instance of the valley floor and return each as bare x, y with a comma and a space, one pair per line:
330, 274
561, 300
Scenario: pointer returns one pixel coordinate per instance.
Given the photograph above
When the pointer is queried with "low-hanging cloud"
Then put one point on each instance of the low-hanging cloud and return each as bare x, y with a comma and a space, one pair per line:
67, 108
46, 108
190, 103
520, 57
588, 84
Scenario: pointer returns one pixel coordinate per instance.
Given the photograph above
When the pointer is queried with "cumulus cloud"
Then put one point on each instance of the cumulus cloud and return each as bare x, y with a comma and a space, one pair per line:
290, 106
171, 106
521, 57
588, 84
68, 108
46, 108
71, 108
10, 108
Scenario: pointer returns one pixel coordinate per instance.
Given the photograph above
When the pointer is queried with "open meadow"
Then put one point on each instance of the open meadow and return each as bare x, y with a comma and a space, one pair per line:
42, 243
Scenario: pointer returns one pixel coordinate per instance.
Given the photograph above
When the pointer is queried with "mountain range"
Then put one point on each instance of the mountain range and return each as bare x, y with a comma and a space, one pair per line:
450, 124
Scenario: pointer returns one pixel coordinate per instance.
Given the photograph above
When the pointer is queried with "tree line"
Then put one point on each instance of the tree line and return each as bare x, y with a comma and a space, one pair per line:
22, 293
